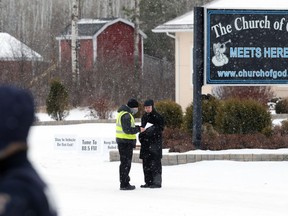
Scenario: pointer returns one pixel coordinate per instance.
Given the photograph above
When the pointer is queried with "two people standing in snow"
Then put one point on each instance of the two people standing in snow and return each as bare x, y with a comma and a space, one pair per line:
150, 139
22, 191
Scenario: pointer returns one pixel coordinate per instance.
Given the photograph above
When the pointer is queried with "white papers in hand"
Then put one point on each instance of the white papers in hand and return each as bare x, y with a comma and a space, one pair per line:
148, 125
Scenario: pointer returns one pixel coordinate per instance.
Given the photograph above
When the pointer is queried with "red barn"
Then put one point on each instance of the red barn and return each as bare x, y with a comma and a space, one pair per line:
99, 40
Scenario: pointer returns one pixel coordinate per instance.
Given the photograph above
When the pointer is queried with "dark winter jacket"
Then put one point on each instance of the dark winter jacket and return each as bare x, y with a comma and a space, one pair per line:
126, 126
151, 138
22, 191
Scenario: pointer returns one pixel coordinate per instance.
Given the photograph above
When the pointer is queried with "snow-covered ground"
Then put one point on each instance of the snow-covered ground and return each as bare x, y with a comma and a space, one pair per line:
74, 114
88, 184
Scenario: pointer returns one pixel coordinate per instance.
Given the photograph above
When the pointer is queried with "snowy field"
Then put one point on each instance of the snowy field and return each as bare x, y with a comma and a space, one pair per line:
87, 184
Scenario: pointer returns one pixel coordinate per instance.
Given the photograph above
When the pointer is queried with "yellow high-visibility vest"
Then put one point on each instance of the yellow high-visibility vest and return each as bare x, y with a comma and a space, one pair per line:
119, 130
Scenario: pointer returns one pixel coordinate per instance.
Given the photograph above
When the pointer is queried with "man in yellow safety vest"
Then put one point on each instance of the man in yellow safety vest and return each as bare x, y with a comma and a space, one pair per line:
126, 131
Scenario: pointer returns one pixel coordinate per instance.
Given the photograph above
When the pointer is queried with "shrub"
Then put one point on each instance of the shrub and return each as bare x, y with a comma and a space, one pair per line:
209, 110
171, 112
282, 106
237, 116
284, 127
268, 131
208, 130
103, 108
188, 119
57, 101
177, 140
240, 141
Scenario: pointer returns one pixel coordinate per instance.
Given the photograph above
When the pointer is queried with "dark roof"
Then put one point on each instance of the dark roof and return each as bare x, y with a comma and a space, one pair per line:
90, 27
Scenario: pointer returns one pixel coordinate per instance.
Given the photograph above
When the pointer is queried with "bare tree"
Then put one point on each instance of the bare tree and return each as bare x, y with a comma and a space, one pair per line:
74, 44
136, 36
1, 12
137, 66
262, 94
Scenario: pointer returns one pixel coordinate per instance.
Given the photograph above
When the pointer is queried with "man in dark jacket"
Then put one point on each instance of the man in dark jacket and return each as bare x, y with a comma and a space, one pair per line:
22, 191
126, 131
151, 146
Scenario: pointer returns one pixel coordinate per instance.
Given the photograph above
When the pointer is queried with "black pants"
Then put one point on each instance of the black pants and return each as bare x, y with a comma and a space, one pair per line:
126, 153
152, 169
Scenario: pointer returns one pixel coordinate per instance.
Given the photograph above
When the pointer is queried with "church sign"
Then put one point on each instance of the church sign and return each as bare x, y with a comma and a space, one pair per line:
246, 47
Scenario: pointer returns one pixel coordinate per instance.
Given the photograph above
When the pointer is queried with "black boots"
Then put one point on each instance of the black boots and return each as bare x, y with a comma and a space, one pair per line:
145, 186
155, 186
150, 186
132, 187
128, 187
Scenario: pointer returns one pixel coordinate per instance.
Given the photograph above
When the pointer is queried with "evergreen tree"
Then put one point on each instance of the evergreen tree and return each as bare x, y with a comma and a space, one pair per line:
57, 101
152, 14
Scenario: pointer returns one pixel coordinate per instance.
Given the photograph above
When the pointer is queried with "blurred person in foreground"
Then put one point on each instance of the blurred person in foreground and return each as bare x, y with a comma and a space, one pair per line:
151, 146
22, 191
126, 131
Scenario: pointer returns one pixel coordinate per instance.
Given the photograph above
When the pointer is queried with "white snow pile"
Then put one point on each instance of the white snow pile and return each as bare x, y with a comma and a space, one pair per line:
13, 49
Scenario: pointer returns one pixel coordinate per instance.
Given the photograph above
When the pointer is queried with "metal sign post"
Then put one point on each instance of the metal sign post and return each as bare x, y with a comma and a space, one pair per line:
198, 71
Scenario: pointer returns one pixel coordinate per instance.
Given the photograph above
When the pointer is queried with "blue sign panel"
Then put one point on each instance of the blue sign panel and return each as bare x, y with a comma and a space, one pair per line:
246, 47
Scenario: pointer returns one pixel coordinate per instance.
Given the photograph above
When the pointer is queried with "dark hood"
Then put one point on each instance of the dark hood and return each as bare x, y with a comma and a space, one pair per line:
124, 108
